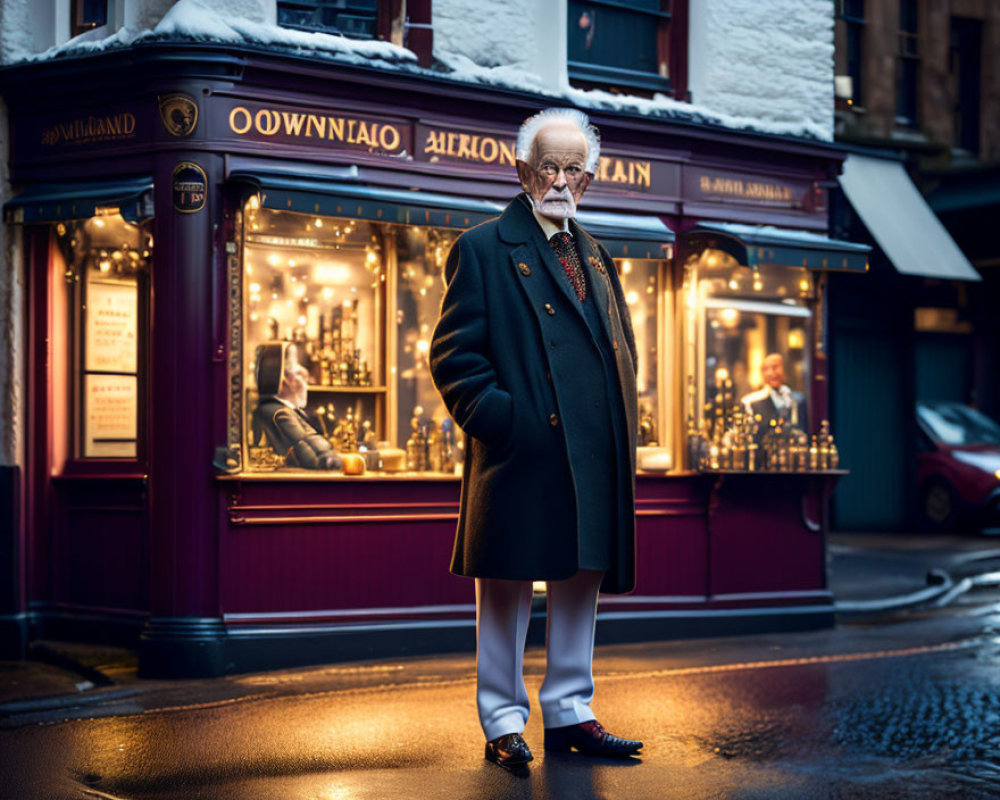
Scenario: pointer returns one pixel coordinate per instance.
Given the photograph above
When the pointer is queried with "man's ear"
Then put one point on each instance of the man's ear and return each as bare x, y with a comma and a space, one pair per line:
587, 178
525, 174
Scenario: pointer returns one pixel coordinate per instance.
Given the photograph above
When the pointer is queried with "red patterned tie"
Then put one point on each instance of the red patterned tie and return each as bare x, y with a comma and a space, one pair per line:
565, 250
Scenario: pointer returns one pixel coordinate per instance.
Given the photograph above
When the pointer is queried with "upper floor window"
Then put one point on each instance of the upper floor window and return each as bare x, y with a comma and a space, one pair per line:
406, 23
357, 19
966, 62
628, 46
850, 31
87, 14
908, 64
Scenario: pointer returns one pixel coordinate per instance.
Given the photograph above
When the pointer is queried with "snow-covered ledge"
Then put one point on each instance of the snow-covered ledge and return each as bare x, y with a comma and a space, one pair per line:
767, 71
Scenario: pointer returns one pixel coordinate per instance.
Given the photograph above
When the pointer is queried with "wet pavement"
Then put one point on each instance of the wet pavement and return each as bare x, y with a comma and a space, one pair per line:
905, 704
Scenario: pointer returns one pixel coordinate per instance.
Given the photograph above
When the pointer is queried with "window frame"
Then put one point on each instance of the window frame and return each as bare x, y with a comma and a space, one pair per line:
854, 27
68, 356
671, 47
78, 21
907, 107
406, 23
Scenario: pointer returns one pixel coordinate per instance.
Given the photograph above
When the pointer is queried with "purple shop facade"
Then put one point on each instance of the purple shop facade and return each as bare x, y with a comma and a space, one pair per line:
170, 538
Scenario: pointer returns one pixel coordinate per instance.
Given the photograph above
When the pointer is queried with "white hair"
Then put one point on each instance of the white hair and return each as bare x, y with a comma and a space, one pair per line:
533, 124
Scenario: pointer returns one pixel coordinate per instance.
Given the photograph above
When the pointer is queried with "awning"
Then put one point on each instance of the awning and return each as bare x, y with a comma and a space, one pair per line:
331, 198
752, 245
899, 219
52, 202
629, 235
624, 235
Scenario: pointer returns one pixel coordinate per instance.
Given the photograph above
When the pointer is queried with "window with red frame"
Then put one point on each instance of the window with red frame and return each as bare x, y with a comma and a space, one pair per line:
403, 22
628, 46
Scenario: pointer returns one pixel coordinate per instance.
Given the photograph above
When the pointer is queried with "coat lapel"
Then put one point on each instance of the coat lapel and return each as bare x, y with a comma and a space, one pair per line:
519, 226
597, 276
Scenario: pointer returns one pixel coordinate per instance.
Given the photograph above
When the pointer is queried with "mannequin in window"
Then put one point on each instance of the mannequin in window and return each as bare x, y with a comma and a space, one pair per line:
776, 400
281, 416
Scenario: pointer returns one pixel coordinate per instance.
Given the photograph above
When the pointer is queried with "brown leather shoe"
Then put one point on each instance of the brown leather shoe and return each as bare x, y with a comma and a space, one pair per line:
590, 739
509, 750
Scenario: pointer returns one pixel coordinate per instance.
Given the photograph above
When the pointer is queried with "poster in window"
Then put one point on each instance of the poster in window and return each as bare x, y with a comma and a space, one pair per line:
112, 327
110, 411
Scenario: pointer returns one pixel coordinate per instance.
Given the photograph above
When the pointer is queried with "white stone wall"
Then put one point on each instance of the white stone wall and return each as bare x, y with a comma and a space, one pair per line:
529, 35
12, 276
765, 59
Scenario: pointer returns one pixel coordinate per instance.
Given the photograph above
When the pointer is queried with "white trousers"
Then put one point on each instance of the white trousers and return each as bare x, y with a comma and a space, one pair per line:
503, 609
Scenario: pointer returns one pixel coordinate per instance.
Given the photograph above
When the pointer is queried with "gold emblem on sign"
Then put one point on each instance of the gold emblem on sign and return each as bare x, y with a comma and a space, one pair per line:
179, 113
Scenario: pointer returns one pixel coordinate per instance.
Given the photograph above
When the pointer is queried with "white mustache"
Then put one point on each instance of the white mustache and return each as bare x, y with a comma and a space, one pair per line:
559, 203
563, 194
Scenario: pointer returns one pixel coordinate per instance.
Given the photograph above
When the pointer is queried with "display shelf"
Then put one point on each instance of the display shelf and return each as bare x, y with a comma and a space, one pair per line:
347, 389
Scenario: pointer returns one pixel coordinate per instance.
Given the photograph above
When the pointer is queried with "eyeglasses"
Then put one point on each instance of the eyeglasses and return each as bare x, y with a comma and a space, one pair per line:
572, 172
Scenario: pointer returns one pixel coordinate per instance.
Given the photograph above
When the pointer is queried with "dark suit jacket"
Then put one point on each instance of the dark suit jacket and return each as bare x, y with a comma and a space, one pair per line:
292, 435
512, 355
797, 415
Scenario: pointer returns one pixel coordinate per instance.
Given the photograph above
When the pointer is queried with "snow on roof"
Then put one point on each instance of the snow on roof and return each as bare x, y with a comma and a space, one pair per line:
197, 20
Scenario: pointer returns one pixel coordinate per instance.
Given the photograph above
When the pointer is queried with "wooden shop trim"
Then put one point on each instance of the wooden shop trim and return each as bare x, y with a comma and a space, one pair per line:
336, 506
341, 519
101, 476
306, 477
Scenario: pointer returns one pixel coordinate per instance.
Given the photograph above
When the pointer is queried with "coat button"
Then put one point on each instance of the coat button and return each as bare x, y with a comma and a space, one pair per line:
525, 269
550, 309
553, 420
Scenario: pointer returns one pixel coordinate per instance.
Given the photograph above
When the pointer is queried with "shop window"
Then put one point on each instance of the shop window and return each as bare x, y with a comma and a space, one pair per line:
87, 14
105, 261
641, 280
628, 46
747, 357
907, 64
350, 304
337, 316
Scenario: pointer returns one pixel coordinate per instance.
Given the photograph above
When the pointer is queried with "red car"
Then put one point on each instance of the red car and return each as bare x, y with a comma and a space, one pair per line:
958, 467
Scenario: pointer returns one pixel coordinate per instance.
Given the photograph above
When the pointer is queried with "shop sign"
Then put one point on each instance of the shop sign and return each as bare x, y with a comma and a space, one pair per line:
317, 128
89, 128
439, 143
179, 114
729, 187
189, 186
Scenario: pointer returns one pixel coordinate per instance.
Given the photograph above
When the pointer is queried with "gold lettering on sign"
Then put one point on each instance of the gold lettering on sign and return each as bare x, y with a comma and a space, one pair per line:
495, 150
764, 191
624, 170
469, 147
109, 128
302, 125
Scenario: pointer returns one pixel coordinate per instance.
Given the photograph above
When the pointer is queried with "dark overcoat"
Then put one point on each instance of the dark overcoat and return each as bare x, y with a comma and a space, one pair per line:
509, 355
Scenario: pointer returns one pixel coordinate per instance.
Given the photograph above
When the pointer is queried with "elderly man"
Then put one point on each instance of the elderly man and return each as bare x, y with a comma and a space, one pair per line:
535, 359
776, 400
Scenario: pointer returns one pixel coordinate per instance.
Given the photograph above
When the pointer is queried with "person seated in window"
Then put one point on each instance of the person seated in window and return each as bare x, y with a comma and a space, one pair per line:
281, 415
776, 400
